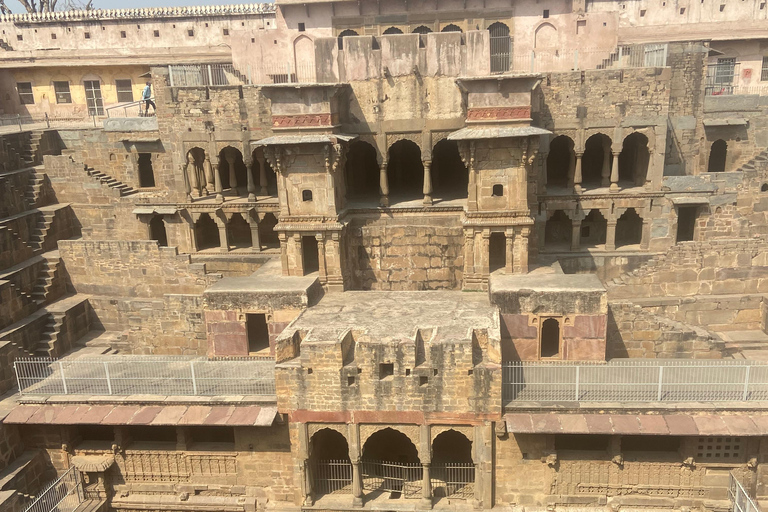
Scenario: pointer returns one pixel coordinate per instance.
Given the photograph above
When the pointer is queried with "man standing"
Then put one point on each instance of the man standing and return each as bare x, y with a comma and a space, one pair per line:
147, 97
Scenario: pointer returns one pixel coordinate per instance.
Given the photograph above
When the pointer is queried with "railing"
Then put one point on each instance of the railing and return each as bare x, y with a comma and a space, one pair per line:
19, 123
63, 495
453, 480
122, 109
740, 499
199, 75
670, 380
402, 478
722, 78
146, 375
625, 56
332, 477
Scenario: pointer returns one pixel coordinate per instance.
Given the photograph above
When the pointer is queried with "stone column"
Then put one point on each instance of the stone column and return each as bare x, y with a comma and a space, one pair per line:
575, 234
645, 237
427, 183
217, 186
284, 252
230, 156
298, 255
610, 235
577, 173
262, 175
223, 233
469, 253
251, 184
209, 174
187, 182
357, 484
571, 171
384, 184
253, 222
509, 252
543, 179
426, 486
321, 257
485, 258
521, 251
605, 172
615, 173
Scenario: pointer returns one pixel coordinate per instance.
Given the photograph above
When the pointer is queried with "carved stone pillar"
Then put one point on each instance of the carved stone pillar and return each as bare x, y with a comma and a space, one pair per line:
645, 237
615, 173
577, 173
485, 260
284, 252
217, 185
188, 183
426, 486
521, 251
209, 174
509, 252
357, 484
384, 184
610, 235
575, 234
543, 178
251, 184
605, 172
262, 175
223, 233
253, 221
230, 156
320, 237
469, 253
427, 183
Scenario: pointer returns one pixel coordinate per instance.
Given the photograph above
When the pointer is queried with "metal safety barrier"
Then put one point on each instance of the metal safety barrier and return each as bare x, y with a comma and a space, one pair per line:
65, 494
740, 499
453, 480
394, 477
146, 375
654, 380
199, 75
332, 477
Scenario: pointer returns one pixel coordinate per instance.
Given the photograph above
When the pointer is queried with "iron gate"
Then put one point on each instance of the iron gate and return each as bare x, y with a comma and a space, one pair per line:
501, 46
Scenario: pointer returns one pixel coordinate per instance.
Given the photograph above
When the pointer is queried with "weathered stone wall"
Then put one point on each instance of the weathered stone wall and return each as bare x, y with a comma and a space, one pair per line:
714, 312
635, 332
405, 253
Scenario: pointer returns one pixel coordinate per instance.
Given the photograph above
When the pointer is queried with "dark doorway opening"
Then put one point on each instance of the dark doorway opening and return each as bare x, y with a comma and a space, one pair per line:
146, 173
559, 161
157, 231
686, 222
596, 160
629, 228
593, 229
206, 233
241, 172
550, 337
450, 178
239, 231
267, 234
634, 159
717, 155
309, 254
258, 333
362, 171
497, 256
405, 170
557, 232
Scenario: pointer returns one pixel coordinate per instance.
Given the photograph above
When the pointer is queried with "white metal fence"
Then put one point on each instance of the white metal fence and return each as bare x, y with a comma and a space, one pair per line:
63, 495
740, 499
20, 123
146, 375
197, 75
652, 380
625, 56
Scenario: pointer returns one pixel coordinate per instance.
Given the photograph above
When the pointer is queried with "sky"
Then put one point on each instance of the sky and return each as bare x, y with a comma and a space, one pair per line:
128, 4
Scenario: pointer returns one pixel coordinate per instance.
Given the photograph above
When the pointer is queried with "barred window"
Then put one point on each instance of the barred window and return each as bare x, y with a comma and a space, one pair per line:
25, 93
124, 91
62, 92
764, 70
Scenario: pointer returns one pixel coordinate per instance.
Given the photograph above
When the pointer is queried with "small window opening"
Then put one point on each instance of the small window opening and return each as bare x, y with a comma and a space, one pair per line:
642, 13
191, 33
53, 36
546, 13
686, 223
682, 10
302, 27
253, 39
258, 333
764, 188
498, 190
386, 370
19, 37
351, 380
306, 195
156, 33
423, 380
722, 7
407, 372
225, 31
550, 337
87, 35
122, 34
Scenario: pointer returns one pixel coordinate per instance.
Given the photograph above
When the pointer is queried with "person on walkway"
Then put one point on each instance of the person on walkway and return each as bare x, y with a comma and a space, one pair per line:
147, 97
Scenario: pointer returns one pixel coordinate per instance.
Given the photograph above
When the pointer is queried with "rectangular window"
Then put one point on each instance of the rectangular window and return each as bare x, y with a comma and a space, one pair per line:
93, 98
124, 91
26, 97
764, 70
62, 92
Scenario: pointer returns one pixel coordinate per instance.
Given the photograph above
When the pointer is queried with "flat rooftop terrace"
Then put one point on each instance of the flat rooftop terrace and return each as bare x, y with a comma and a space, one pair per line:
442, 316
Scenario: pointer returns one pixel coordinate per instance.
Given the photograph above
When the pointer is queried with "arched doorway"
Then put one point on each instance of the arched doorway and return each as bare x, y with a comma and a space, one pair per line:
392, 31
501, 47
629, 228
422, 30
239, 231
343, 34
593, 229
497, 251
329, 462
558, 231
232, 169
596, 161
450, 178
560, 161
546, 37
451, 28
197, 179
361, 171
266, 181
267, 234
634, 159
304, 55
405, 170
390, 464
550, 338
206, 233
718, 153
453, 472
157, 231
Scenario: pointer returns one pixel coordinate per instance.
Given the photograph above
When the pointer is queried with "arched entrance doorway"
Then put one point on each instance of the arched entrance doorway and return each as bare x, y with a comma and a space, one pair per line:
453, 472
361, 171
390, 464
450, 178
405, 171
329, 463
560, 161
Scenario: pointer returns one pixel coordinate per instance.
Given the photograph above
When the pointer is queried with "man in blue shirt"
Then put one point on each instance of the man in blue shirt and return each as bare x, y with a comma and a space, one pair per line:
147, 97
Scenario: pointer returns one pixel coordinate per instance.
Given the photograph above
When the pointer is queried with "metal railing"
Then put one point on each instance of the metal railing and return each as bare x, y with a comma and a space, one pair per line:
394, 477
670, 380
62, 495
740, 499
146, 375
625, 56
200, 75
453, 480
122, 109
332, 477
722, 78
20, 123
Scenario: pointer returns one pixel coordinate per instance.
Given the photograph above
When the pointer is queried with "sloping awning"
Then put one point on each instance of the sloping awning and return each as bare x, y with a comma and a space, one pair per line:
497, 132
236, 416
93, 463
638, 424
309, 138
724, 122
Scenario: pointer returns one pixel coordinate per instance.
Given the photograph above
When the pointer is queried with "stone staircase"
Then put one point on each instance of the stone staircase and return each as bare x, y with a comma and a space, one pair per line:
29, 151
43, 227
46, 278
5, 46
34, 188
759, 161
46, 344
109, 181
